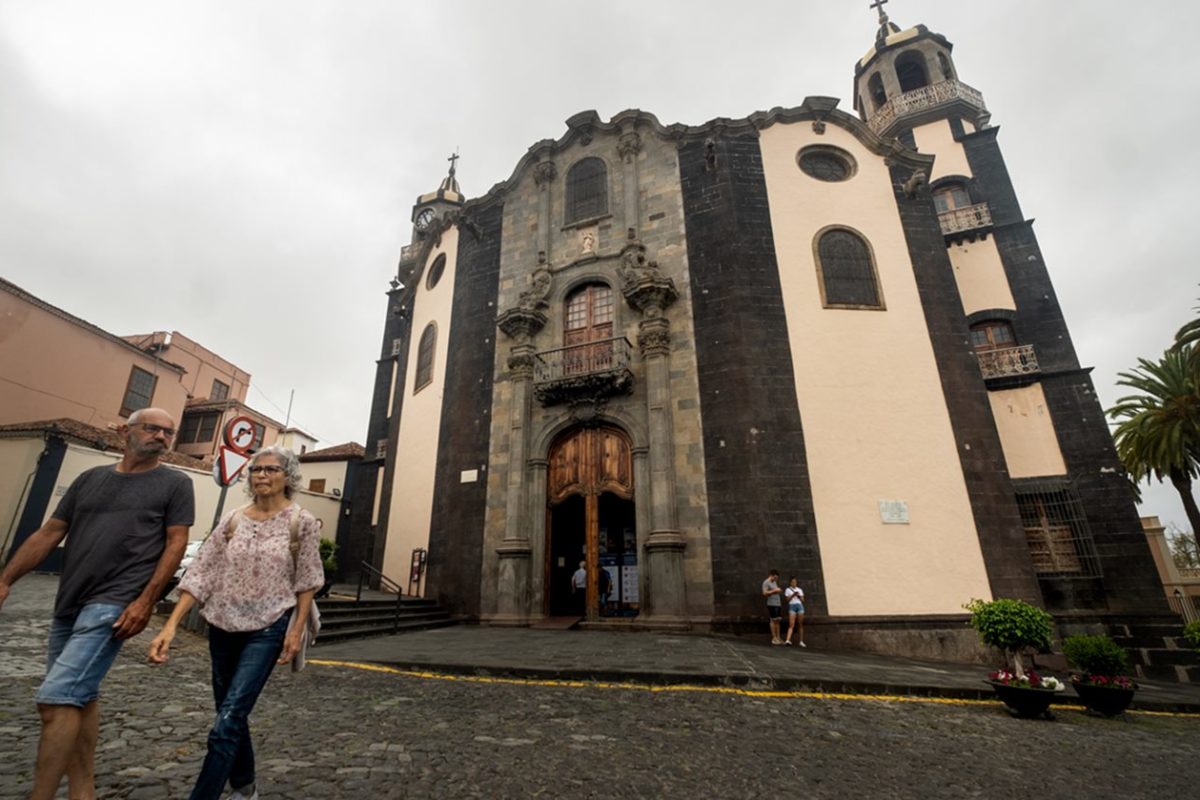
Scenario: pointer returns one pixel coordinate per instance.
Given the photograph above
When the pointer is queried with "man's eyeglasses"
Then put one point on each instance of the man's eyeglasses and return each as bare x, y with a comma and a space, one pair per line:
152, 429
269, 469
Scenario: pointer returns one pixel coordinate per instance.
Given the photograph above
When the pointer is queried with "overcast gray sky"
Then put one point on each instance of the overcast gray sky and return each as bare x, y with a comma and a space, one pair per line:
243, 172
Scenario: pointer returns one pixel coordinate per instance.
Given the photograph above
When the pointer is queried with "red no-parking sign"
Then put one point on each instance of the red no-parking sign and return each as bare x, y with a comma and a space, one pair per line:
235, 453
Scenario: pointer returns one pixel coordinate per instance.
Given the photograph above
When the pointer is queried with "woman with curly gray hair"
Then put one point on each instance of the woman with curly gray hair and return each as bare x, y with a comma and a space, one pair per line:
255, 573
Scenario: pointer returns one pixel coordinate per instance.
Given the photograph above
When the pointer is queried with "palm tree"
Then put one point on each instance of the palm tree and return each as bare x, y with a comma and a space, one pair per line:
1189, 336
1158, 429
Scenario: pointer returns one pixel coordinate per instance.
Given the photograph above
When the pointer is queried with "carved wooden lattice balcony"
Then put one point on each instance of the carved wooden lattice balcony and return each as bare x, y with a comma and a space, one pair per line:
924, 99
1008, 362
965, 220
590, 370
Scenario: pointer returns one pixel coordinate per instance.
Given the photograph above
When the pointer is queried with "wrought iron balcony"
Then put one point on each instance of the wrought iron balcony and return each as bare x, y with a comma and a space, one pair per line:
1008, 363
925, 99
962, 221
583, 371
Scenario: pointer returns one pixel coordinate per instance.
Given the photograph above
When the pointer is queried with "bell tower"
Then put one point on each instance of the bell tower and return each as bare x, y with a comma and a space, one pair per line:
435, 205
908, 78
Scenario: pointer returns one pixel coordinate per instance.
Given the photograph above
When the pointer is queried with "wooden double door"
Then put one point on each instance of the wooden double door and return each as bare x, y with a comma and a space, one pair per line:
590, 522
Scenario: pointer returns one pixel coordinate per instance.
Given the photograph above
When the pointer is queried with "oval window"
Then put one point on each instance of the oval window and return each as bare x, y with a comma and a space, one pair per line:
826, 163
435, 271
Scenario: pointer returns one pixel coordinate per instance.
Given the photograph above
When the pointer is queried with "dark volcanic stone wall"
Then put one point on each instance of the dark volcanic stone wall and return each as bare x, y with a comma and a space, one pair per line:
456, 529
759, 498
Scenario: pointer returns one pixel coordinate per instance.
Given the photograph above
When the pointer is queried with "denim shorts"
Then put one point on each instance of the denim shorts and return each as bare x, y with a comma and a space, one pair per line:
82, 648
795, 608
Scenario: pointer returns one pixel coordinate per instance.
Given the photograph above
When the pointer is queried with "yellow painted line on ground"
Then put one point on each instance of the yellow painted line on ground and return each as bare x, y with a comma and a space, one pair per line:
730, 690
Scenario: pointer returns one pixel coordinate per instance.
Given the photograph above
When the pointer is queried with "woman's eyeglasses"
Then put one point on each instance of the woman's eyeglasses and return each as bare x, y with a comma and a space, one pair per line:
269, 469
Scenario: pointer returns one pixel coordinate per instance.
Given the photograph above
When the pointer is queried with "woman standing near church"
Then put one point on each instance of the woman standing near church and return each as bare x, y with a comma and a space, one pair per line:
794, 596
257, 572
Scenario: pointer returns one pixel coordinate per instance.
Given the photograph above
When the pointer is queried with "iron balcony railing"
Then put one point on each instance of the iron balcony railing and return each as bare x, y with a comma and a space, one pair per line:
1009, 362
927, 97
578, 360
962, 220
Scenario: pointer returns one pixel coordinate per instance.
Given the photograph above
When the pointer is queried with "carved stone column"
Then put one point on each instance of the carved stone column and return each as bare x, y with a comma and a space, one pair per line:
648, 290
543, 175
628, 147
538, 473
521, 323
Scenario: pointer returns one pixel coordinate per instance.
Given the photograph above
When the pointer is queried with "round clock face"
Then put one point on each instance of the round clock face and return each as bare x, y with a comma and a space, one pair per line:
424, 219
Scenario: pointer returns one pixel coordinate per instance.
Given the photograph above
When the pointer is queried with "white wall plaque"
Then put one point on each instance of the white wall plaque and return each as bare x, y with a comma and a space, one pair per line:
468, 476
893, 512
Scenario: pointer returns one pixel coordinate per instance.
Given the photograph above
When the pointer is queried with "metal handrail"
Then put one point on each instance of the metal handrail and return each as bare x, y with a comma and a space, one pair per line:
385, 582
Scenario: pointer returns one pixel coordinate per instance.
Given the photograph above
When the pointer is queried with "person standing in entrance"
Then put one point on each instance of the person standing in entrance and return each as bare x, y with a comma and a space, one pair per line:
579, 588
771, 591
126, 527
795, 603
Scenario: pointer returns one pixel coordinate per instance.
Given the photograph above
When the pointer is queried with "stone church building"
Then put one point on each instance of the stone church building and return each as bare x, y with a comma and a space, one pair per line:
815, 339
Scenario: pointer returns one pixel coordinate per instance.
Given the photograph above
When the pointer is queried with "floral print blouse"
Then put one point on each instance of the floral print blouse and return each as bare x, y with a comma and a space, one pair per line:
247, 582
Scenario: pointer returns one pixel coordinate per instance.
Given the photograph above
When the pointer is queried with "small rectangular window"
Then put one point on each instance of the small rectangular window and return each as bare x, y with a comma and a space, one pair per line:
220, 391
381, 448
316, 485
198, 428
260, 433
138, 392
396, 345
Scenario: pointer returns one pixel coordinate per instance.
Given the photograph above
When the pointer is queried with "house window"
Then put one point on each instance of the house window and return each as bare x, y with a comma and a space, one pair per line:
198, 428
138, 392
260, 433
316, 485
993, 334
587, 190
910, 71
220, 391
846, 271
950, 197
435, 271
875, 88
425, 358
1056, 530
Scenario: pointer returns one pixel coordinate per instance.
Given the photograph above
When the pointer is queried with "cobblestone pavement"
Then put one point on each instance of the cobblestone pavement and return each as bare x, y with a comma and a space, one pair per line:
342, 732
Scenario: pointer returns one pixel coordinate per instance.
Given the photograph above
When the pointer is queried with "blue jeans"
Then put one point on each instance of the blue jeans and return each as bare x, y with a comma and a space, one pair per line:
241, 664
82, 648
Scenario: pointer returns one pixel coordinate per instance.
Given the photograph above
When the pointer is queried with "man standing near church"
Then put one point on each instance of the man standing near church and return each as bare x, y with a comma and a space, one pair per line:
126, 527
771, 591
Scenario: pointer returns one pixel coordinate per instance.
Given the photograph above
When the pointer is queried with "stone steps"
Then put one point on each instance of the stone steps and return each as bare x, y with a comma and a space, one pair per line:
351, 619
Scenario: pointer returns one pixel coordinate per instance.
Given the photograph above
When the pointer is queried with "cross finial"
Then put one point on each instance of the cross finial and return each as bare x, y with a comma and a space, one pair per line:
878, 4
452, 159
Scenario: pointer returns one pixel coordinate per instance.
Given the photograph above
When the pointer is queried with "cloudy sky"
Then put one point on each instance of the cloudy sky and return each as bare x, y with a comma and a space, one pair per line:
243, 172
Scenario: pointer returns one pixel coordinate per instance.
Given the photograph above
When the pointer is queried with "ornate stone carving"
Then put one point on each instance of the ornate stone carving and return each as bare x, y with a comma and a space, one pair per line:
654, 337
544, 173
587, 243
524, 320
587, 388
521, 364
642, 282
818, 126
629, 145
587, 409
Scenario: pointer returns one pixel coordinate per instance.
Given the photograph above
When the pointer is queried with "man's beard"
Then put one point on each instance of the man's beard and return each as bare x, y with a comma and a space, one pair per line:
145, 449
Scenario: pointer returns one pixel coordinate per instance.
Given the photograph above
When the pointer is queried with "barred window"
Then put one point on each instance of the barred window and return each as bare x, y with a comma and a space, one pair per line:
846, 271
587, 190
1056, 529
138, 392
425, 358
220, 390
198, 428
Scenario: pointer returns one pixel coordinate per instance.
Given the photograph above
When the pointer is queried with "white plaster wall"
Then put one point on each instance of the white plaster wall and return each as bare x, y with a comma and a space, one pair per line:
937, 139
979, 273
1027, 432
18, 460
334, 473
416, 445
875, 421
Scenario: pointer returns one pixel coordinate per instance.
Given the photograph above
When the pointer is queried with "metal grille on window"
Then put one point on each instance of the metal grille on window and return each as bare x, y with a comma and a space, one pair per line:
587, 190
1056, 529
425, 357
846, 269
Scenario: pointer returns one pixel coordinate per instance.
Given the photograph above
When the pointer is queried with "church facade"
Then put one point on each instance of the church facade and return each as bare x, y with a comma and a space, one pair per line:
676, 356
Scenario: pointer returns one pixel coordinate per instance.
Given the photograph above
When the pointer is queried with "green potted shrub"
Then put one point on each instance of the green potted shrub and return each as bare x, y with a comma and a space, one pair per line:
1013, 626
329, 563
1102, 682
1191, 633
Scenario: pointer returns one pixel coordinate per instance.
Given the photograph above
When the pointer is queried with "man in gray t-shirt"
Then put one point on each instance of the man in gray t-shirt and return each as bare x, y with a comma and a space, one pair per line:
771, 591
126, 527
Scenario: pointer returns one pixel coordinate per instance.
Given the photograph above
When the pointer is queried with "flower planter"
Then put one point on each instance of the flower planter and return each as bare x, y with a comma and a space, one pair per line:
1107, 700
1024, 701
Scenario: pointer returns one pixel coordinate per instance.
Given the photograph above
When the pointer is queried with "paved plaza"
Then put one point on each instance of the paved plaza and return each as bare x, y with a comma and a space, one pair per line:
369, 730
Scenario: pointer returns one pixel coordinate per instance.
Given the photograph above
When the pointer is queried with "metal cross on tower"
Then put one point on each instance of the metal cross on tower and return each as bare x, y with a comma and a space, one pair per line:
878, 4
454, 157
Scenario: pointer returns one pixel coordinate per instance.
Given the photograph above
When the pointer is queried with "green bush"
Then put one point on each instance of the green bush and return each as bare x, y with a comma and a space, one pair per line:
1096, 655
1012, 626
328, 550
1191, 632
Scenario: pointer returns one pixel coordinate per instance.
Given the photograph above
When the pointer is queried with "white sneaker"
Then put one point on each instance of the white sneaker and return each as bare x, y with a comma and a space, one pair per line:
237, 793
802, 644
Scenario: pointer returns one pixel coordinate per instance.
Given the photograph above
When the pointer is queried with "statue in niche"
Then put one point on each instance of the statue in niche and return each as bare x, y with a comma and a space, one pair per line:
534, 298
588, 243
634, 266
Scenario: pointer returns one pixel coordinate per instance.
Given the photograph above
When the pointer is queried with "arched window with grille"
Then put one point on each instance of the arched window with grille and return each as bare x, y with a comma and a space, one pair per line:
846, 271
587, 190
910, 71
875, 87
425, 350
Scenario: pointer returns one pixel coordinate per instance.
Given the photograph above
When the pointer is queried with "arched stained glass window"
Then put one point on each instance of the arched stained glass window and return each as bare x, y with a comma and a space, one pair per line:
846, 271
425, 350
587, 190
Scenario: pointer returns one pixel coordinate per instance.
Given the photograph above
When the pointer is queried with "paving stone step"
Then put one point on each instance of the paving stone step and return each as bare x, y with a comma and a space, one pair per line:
342, 634
341, 613
1162, 656
379, 620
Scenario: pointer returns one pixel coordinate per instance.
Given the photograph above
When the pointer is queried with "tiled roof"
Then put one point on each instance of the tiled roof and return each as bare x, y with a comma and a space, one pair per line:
18, 292
91, 436
341, 452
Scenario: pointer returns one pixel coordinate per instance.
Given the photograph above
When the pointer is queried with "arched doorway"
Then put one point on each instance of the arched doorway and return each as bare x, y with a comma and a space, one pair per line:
590, 520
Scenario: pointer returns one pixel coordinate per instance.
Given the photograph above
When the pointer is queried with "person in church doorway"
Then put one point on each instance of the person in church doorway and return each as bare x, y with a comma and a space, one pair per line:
794, 596
771, 591
605, 590
579, 587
